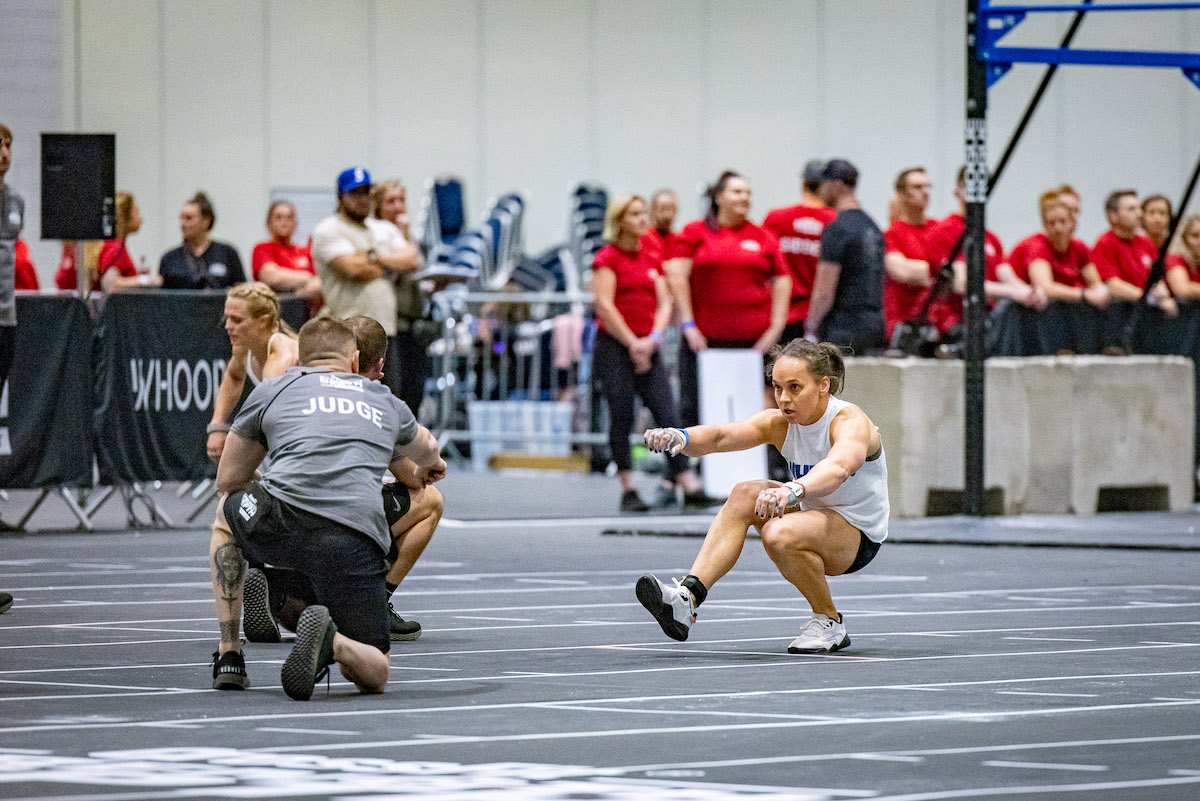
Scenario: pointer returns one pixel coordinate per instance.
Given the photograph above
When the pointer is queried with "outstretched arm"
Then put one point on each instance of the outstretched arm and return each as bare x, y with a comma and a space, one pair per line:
764, 428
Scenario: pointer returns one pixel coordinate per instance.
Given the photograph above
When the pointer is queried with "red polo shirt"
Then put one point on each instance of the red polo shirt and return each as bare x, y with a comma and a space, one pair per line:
732, 270
1127, 259
799, 231
1066, 268
901, 301
635, 297
1173, 260
26, 276
289, 257
948, 310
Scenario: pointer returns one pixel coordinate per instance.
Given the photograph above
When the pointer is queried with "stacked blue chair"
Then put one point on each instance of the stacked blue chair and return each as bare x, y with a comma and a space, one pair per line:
444, 214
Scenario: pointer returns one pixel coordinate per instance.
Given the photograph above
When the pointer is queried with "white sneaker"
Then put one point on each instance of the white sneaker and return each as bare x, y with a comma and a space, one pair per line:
822, 634
671, 605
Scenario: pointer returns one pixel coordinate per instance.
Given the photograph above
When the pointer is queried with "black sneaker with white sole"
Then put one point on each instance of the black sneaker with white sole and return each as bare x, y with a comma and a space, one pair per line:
229, 671
258, 623
671, 605
402, 630
312, 654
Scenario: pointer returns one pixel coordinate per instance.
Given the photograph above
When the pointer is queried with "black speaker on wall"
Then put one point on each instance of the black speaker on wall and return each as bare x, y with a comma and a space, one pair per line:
79, 176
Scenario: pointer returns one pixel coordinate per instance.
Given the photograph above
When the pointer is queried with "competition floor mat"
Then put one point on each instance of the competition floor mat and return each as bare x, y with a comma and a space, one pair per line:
973, 673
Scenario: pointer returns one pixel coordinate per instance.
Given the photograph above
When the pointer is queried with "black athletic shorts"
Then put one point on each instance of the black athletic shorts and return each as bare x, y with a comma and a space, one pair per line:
397, 501
345, 567
867, 549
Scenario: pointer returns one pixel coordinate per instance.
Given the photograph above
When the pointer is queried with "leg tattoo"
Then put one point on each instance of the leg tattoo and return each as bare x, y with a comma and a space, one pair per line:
229, 570
229, 630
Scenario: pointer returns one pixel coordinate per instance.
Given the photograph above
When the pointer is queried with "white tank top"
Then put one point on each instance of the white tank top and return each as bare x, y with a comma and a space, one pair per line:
862, 499
254, 380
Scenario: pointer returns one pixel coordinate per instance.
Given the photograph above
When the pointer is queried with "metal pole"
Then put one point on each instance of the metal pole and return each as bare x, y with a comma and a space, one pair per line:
975, 145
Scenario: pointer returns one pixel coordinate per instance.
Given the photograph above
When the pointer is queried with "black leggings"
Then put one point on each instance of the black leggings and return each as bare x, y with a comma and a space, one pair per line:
612, 367
8, 344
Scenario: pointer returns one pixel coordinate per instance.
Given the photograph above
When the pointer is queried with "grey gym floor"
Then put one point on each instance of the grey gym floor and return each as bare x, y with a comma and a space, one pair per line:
976, 670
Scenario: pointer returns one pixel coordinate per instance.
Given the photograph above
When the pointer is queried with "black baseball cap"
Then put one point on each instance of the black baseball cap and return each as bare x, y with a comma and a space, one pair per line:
840, 170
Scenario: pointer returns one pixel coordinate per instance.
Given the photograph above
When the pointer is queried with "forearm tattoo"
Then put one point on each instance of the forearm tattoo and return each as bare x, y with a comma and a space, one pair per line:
228, 572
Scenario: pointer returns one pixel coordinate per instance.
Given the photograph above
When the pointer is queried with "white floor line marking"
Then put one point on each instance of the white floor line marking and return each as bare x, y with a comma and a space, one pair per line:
567, 582
29, 751
1001, 763
75, 696
105, 623
1055, 695
1184, 772
983, 792
481, 617
977, 749
410, 667
887, 758
699, 712
1060, 600
673, 698
1169, 698
96, 644
924, 689
171, 725
664, 730
308, 731
91, 686
1052, 639
700, 521
1159, 642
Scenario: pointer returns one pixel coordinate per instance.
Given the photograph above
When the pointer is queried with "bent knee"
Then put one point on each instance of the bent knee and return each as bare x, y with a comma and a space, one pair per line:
780, 534
745, 493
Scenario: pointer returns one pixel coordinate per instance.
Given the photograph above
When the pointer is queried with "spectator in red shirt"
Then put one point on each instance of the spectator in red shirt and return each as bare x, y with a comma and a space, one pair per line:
26, 276
1124, 257
1156, 219
799, 230
278, 263
1069, 197
664, 207
729, 281
1183, 262
908, 265
1000, 280
633, 307
1061, 267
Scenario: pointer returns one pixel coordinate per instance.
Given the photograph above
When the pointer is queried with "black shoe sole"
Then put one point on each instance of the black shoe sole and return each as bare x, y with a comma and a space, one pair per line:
650, 596
231, 681
312, 652
845, 643
402, 637
258, 624
5, 606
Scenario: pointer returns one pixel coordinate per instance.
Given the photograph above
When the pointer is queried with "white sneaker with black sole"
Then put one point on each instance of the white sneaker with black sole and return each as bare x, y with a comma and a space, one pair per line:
822, 635
671, 606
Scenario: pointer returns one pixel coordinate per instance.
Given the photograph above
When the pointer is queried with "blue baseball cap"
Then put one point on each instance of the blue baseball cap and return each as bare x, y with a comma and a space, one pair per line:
352, 178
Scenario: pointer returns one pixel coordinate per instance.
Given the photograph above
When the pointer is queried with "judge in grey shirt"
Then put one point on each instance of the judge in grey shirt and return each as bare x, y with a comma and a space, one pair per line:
329, 435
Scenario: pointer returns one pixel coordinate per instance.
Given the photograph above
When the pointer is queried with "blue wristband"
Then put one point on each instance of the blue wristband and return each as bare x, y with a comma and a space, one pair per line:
686, 324
686, 437
656, 336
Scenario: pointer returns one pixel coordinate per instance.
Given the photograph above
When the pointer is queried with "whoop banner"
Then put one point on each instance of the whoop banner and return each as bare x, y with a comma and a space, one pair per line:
46, 408
160, 358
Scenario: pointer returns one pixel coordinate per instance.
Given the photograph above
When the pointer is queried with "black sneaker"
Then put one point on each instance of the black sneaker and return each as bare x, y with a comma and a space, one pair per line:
632, 502
699, 500
665, 498
5, 602
229, 671
258, 623
312, 654
402, 630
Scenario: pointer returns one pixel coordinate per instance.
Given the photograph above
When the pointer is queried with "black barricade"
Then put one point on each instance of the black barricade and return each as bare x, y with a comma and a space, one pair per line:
160, 358
46, 424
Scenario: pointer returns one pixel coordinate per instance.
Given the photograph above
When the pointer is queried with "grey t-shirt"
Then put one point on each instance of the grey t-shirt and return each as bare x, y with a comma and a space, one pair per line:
329, 437
12, 219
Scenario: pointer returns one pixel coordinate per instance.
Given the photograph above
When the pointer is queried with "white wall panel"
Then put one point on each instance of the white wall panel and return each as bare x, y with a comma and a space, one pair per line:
427, 107
214, 116
763, 80
318, 80
648, 114
536, 95
537, 64
121, 69
30, 61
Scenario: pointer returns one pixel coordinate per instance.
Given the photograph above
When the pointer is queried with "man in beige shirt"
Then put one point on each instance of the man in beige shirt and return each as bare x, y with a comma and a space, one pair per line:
358, 259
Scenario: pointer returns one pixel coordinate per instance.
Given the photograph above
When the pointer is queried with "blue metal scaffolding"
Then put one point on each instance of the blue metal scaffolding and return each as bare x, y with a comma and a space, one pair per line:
987, 63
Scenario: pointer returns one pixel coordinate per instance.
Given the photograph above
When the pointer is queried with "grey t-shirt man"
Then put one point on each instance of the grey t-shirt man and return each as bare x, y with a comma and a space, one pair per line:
12, 220
329, 437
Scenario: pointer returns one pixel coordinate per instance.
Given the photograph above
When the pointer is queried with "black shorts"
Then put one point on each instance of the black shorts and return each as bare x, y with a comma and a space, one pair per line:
867, 549
345, 567
397, 501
